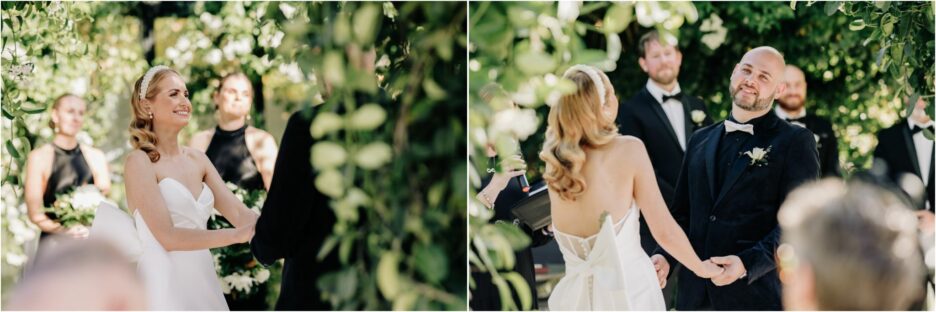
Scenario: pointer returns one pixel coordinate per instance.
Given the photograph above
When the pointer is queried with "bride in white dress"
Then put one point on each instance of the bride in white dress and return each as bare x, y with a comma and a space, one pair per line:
599, 184
171, 191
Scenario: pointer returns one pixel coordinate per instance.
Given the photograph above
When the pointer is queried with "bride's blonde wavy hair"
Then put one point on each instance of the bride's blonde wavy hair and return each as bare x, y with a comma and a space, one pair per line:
576, 121
142, 136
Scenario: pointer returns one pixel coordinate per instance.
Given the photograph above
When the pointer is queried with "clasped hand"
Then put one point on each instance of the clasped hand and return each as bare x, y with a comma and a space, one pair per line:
721, 270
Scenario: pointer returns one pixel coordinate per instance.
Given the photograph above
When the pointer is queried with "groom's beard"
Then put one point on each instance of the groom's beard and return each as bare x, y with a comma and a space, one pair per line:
759, 103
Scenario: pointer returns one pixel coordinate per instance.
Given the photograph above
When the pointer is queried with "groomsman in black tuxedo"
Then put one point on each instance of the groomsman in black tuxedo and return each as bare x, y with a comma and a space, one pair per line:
904, 149
663, 117
734, 178
792, 107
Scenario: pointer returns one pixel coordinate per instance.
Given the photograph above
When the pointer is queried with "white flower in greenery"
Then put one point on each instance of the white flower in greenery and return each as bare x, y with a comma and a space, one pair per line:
328, 155
330, 182
367, 117
292, 71
277, 39
79, 86
183, 43
715, 32
384, 61
262, 276
758, 156
213, 57
519, 123
172, 53
568, 11
697, 116
373, 155
15, 50
288, 10
84, 138
46, 132
325, 123
15, 259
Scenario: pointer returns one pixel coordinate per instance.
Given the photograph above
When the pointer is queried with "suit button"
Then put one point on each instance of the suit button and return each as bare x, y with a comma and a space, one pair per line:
712, 218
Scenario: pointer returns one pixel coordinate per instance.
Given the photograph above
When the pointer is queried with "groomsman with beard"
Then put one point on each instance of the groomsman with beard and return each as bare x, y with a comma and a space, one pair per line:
792, 108
734, 178
663, 117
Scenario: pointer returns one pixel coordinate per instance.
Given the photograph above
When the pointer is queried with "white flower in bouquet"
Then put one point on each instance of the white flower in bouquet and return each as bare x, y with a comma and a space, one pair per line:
262, 276
86, 197
239, 282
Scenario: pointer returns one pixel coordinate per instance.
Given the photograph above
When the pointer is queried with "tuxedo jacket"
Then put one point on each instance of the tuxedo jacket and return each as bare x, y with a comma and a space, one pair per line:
295, 221
643, 117
896, 149
826, 143
741, 219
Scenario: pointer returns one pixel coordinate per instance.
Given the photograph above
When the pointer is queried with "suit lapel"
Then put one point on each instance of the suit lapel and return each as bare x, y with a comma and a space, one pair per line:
711, 147
657, 109
911, 149
740, 165
687, 119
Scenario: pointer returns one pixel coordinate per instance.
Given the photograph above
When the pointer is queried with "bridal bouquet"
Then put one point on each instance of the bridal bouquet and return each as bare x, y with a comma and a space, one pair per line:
77, 207
239, 272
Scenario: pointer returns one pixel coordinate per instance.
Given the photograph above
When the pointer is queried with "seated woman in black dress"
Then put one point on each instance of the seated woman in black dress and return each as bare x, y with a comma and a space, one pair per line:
243, 155
62, 165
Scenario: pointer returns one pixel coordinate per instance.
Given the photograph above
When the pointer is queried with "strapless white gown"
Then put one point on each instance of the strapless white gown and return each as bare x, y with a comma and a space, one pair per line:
174, 280
607, 271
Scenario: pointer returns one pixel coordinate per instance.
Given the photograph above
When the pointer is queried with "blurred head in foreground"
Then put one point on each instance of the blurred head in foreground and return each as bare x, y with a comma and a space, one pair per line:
78, 275
848, 246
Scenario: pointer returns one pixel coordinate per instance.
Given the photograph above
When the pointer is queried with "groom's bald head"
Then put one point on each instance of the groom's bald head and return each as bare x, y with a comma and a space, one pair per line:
768, 57
757, 80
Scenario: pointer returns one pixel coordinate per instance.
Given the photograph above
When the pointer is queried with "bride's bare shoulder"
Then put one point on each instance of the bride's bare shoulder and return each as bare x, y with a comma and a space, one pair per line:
627, 144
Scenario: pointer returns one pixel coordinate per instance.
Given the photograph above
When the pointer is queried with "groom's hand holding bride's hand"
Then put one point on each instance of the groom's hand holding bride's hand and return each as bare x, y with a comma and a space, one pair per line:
734, 269
709, 269
244, 234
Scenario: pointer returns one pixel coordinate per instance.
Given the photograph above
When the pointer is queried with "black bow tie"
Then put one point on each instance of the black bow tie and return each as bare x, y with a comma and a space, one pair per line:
677, 96
797, 119
916, 129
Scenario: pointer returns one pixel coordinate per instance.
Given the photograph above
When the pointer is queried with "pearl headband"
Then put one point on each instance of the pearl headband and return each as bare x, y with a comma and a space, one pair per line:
595, 77
144, 86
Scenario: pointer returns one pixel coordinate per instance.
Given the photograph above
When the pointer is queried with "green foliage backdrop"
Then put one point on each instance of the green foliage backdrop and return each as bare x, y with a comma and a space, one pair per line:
396, 171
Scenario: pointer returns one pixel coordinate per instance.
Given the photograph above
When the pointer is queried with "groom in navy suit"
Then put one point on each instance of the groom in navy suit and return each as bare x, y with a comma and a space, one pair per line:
734, 178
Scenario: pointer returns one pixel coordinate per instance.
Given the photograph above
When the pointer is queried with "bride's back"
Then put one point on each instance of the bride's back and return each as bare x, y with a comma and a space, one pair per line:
609, 188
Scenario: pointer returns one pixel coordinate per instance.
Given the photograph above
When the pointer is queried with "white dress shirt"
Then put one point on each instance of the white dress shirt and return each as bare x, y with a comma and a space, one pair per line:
924, 149
673, 109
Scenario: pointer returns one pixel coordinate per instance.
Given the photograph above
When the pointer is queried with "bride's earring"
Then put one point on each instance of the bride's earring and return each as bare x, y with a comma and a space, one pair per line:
151, 115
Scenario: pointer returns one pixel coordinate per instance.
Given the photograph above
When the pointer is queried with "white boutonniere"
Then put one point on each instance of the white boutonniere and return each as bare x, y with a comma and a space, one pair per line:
697, 116
758, 156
